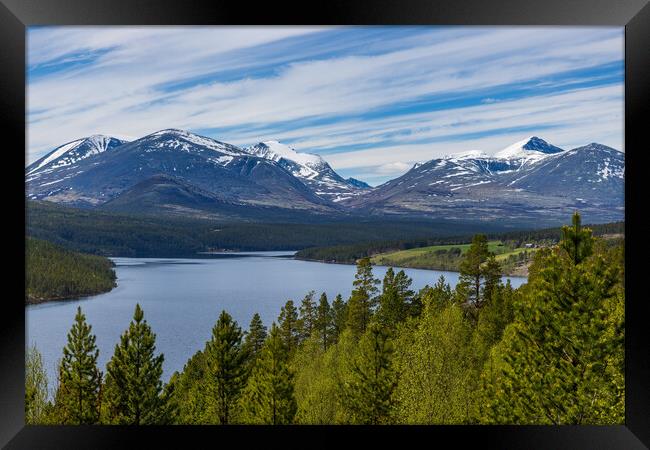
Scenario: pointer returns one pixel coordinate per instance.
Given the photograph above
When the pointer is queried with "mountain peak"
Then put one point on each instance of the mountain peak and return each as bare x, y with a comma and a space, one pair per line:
275, 150
532, 146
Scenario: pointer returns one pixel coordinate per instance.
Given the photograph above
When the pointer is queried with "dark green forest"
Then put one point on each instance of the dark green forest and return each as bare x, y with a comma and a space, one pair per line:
112, 234
549, 352
349, 253
55, 273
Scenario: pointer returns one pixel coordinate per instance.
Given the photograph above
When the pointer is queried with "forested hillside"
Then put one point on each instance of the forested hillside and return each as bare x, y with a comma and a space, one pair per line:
54, 273
479, 353
128, 235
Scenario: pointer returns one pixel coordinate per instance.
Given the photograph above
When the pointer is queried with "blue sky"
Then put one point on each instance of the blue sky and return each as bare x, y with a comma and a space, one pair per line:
371, 100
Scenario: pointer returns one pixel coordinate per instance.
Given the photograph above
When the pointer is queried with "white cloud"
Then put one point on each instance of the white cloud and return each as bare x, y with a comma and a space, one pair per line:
124, 89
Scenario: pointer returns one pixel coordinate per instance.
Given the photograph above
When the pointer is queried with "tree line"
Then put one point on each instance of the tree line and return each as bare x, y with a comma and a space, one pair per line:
549, 352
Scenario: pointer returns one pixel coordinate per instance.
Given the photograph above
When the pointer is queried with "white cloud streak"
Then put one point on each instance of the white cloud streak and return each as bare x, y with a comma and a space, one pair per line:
123, 90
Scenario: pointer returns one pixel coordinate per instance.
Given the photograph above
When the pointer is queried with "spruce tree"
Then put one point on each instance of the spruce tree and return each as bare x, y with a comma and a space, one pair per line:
560, 361
362, 300
226, 366
78, 394
307, 316
289, 326
368, 394
396, 299
254, 339
323, 323
269, 395
339, 317
134, 389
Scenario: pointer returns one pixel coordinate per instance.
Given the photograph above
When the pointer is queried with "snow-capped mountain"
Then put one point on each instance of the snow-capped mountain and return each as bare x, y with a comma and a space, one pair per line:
174, 171
311, 169
528, 179
67, 156
215, 167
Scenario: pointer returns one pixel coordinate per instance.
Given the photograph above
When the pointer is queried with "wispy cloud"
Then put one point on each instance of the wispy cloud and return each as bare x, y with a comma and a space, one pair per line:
372, 100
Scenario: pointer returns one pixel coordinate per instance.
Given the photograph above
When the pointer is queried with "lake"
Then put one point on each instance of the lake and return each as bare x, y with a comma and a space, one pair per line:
182, 299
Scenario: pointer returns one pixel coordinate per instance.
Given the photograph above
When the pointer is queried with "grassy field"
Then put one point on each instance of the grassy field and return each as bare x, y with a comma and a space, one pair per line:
448, 257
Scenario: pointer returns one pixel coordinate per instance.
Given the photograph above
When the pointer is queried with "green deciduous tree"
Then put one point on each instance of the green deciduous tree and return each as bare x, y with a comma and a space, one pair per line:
77, 398
37, 405
133, 388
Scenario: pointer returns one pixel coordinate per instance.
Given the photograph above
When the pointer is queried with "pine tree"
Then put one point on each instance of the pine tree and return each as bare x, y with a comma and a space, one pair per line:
471, 272
396, 300
323, 322
269, 395
254, 340
339, 317
77, 400
307, 318
134, 390
368, 394
362, 300
226, 366
560, 361
576, 240
289, 326
37, 404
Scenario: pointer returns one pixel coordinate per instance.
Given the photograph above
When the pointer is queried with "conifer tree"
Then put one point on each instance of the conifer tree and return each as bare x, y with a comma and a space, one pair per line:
560, 360
289, 326
368, 394
226, 366
362, 300
269, 394
134, 389
77, 399
471, 271
307, 316
36, 390
576, 240
396, 299
323, 323
339, 317
254, 339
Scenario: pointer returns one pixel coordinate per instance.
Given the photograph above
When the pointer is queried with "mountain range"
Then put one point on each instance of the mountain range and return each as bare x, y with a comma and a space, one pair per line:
180, 173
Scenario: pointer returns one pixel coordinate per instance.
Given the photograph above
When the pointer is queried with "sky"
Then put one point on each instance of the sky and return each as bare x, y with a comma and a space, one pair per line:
371, 100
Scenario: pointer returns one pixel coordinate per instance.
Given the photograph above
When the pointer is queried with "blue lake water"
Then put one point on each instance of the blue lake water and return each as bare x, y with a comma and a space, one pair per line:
182, 299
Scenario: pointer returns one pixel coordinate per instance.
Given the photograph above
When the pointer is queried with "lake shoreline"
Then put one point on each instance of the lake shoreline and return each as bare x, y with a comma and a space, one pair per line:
517, 272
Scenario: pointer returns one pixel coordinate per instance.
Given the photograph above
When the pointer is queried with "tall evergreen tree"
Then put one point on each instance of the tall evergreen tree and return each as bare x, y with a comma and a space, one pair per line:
77, 399
560, 361
36, 390
396, 299
289, 326
254, 339
226, 366
134, 389
576, 240
368, 394
269, 395
362, 300
471, 273
323, 323
307, 316
339, 316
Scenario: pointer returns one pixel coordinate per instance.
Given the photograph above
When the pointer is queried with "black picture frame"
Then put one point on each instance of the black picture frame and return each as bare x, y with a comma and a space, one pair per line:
634, 15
